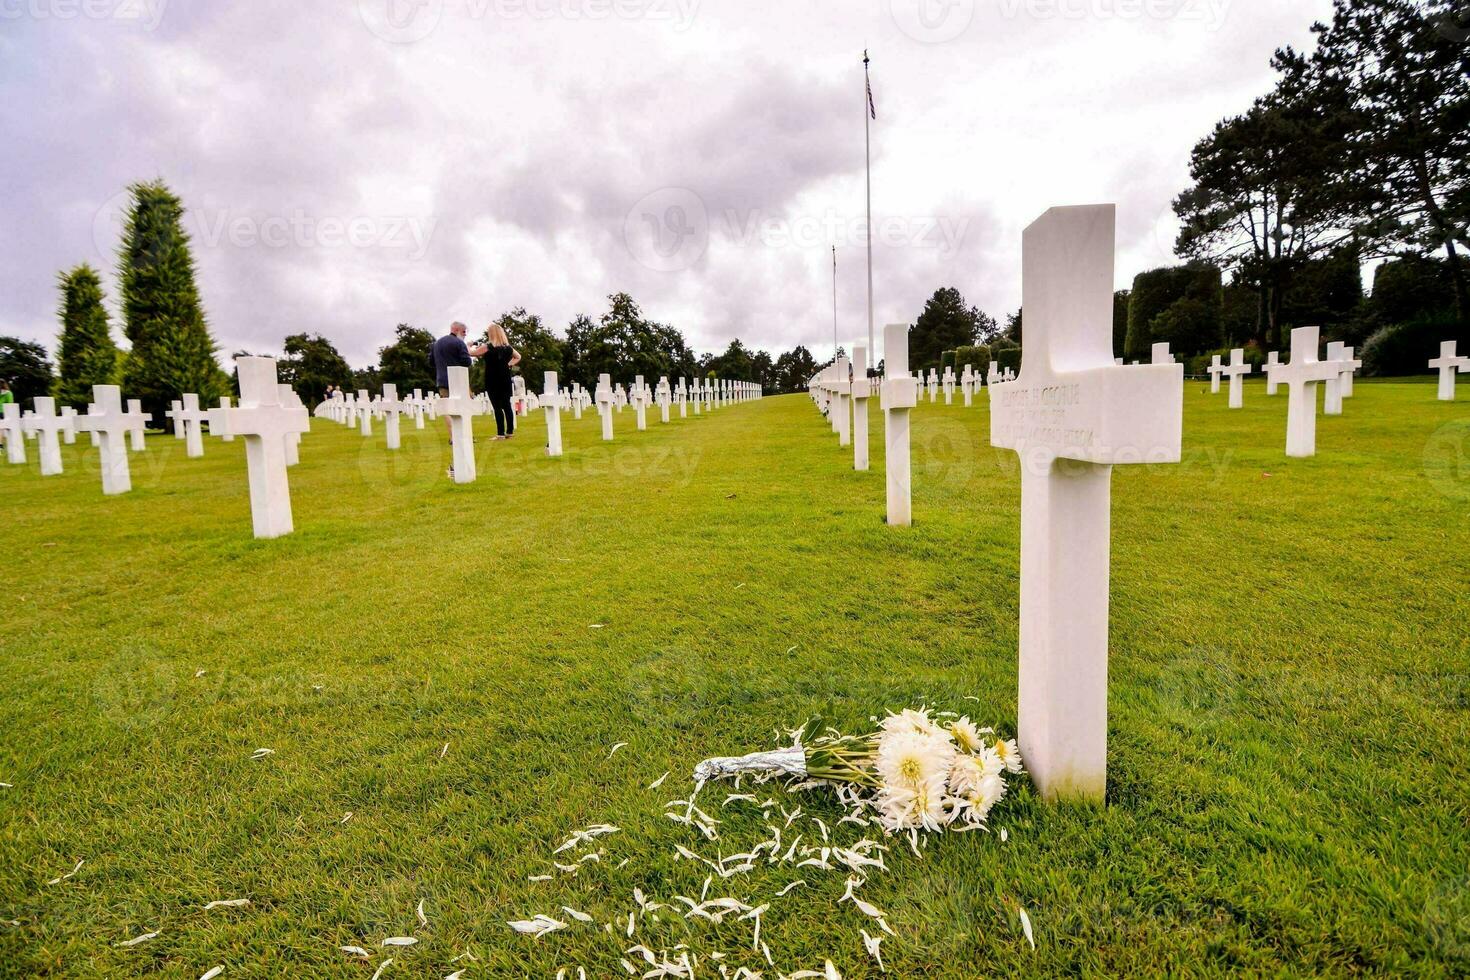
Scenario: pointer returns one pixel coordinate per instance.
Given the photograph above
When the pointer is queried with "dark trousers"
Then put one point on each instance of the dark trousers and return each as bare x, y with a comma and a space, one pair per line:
505, 418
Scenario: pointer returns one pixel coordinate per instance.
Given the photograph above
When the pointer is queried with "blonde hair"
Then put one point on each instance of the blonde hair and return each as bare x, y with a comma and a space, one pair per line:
497, 336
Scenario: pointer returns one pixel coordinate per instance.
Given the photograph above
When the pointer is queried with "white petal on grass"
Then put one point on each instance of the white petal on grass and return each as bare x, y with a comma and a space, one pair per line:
1026, 927
444, 751
423, 919
137, 940
579, 916
198, 673
542, 878
259, 754
456, 975
620, 745
381, 967
782, 892
6, 786
583, 836
399, 941
597, 626
229, 903
213, 973
871, 944
1004, 836
346, 816
355, 951
659, 781
69, 874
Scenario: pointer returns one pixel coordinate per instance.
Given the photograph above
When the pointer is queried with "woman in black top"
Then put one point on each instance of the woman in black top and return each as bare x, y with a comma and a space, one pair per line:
499, 359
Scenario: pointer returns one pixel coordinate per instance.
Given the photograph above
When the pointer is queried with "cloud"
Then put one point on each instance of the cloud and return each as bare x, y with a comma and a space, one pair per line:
351, 165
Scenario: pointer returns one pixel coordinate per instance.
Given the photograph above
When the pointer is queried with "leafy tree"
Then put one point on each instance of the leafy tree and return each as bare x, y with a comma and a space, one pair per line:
172, 350
977, 357
1120, 321
794, 369
540, 349
86, 355
735, 364
763, 370
1013, 329
310, 364
1326, 292
368, 379
1195, 290
25, 366
1411, 288
946, 323
1401, 171
1256, 206
405, 362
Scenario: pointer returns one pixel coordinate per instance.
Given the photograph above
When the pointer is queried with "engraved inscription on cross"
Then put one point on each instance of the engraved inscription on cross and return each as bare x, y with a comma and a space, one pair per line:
1071, 415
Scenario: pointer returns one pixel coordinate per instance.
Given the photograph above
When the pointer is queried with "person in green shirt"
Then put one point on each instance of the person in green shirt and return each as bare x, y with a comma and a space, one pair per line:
5, 395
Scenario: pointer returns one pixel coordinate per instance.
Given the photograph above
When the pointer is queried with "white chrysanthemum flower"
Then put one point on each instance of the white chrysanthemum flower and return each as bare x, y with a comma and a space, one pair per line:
912, 721
914, 809
915, 771
965, 775
910, 760
990, 761
990, 792
967, 737
1009, 753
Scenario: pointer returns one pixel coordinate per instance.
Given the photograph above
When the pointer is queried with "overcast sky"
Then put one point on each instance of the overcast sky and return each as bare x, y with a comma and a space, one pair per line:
350, 164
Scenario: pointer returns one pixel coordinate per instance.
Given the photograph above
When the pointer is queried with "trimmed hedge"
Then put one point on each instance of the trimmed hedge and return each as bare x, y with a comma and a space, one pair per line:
978, 357
1009, 357
1406, 348
1178, 304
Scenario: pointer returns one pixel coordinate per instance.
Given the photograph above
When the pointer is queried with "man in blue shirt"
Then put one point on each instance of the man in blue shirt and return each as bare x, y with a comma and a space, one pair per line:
451, 351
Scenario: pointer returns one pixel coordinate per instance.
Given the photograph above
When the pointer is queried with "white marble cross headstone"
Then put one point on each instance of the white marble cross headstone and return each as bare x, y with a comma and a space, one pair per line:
69, 434
176, 413
663, 399
605, 405
392, 409
967, 385
1237, 370
861, 391
365, 412
1332, 389
1447, 363
419, 409
288, 399
13, 427
899, 395
683, 398
266, 426
948, 385
459, 408
193, 419
1071, 416
1216, 369
1350, 366
225, 434
47, 427
1301, 377
1273, 361
553, 416
640, 402
105, 420
1161, 355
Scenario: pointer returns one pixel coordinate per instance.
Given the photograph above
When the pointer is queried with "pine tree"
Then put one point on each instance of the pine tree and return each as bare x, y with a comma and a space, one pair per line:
86, 355
172, 350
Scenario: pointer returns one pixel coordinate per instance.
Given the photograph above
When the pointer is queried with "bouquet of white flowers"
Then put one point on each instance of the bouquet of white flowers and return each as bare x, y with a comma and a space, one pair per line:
916, 772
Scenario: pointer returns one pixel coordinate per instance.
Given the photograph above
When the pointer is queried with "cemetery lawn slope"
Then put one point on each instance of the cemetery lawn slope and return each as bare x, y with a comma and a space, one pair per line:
442, 672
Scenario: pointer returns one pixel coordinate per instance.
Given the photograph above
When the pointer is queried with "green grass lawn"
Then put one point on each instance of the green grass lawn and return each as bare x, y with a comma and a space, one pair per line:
1289, 780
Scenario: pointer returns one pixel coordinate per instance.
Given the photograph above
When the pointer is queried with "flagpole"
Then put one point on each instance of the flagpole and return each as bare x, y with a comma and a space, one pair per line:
834, 304
868, 153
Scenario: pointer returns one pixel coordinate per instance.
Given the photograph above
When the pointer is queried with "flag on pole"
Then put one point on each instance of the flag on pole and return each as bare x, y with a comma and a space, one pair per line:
872, 109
